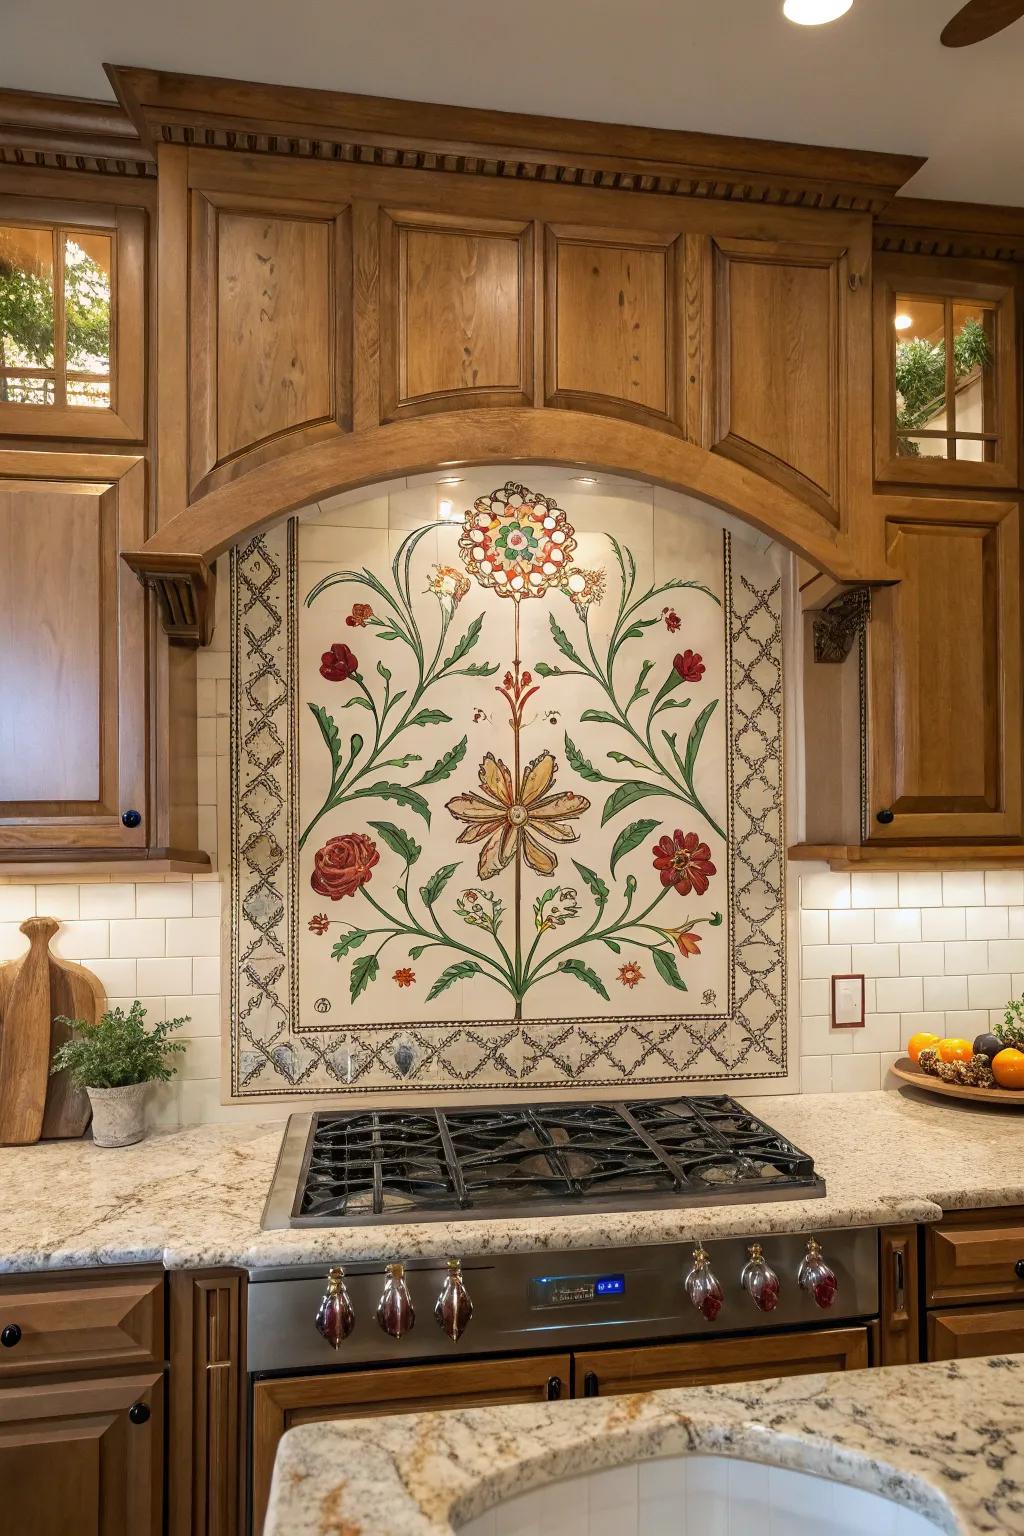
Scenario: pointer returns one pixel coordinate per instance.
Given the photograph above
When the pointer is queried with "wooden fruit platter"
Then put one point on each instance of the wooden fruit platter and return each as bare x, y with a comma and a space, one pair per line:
909, 1072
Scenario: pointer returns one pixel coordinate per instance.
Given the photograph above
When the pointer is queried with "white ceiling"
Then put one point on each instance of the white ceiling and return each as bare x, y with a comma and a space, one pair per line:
876, 79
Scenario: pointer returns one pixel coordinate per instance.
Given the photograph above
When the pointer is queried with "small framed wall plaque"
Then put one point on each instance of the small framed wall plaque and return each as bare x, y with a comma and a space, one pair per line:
847, 1002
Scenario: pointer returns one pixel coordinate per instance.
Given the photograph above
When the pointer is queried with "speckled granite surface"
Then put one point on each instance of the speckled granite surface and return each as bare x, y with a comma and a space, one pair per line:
944, 1440
195, 1197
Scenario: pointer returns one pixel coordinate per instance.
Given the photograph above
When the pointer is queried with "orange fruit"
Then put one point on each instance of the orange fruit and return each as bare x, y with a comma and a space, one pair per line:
1008, 1068
955, 1049
922, 1041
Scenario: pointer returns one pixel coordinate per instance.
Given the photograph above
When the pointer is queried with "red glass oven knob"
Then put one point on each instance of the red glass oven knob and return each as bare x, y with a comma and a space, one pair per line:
814, 1275
395, 1311
702, 1286
335, 1316
454, 1307
759, 1280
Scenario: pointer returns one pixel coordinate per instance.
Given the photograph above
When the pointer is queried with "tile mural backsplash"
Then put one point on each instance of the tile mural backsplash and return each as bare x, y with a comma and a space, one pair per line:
507, 794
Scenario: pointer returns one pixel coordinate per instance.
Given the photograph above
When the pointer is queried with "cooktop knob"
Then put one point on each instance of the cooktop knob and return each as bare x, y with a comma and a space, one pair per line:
759, 1280
454, 1307
702, 1286
335, 1316
815, 1276
395, 1311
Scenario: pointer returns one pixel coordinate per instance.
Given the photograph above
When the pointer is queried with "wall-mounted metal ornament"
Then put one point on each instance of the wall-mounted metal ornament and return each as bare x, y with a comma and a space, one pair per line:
836, 626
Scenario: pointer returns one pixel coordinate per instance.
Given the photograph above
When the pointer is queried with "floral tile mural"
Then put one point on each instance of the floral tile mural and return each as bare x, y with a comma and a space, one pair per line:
507, 797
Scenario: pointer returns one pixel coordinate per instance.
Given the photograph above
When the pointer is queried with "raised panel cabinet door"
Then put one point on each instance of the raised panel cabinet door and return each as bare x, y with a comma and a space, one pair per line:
73, 679
82, 1458
974, 1256
280, 1404
81, 1322
970, 1332
456, 313
652, 1367
206, 1435
944, 676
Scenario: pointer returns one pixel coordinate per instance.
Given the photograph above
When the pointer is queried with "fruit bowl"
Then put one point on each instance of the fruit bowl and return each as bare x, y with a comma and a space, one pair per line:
909, 1072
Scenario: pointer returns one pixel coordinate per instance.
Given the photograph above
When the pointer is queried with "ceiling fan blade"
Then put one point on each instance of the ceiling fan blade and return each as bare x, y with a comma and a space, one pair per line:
979, 19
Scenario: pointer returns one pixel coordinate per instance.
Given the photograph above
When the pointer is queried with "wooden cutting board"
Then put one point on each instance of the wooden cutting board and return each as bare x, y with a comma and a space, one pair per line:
34, 989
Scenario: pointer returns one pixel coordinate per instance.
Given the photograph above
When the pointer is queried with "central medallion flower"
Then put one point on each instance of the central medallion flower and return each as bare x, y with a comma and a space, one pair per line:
517, 542
507, 818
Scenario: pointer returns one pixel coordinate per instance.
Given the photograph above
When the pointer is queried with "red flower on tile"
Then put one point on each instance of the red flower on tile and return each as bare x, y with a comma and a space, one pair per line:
630, 974
338, 664
359, 615
404, 976
343, 864
320, 923
672, 620
684, 862
690, 666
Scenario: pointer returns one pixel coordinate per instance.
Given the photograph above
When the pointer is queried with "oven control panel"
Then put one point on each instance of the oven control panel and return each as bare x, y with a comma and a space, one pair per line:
572, 1290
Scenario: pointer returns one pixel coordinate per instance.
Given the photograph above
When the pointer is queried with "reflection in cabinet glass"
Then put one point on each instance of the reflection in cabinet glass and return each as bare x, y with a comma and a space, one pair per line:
945, 379
55, 316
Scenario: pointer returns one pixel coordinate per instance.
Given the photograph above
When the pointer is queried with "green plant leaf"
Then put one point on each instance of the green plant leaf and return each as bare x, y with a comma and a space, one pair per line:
631, 838
445, 765
616, 949
391, 634
635, 630
673, 680
639, 691
451, 974
563, 642
715, 920
398, 841
347, 942
478, 669
542, 669
623, 757
574, 967
626, 795
668, 970
383, 671
396, 792
365, 970
436, 884
670, 704
580, 764
599, 717
400, 762
357, 701
597, 886
329, 732
465, 644
694, 740
431, 717
670, 741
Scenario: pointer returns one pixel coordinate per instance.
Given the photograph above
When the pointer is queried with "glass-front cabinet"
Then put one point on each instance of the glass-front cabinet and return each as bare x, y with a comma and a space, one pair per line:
945, 385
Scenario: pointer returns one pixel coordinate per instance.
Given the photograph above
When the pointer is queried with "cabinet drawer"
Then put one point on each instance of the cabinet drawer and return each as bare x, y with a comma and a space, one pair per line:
652, 1367
78, 1322
972, 1331
973, 1257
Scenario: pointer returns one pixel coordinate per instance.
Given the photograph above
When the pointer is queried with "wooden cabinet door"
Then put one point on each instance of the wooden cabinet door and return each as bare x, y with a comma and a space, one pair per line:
73, 643
281, 1403
944, 676
974, 1331
654, 1366
74, 1459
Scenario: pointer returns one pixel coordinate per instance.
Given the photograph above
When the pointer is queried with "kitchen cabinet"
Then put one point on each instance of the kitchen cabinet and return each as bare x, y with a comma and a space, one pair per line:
974, 1257
653, 1367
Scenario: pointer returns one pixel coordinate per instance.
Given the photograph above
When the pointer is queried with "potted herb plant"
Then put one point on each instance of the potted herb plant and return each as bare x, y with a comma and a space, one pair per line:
115, 1061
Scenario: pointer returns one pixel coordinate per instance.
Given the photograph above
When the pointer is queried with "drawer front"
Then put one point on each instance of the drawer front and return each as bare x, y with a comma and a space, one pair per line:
68, 1323
974, 1258
973, 1331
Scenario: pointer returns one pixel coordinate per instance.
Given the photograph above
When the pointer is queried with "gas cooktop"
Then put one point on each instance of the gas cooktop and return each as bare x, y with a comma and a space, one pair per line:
483, 1163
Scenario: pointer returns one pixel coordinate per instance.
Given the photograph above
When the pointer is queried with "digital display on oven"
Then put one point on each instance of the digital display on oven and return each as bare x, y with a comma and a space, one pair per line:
573, 1290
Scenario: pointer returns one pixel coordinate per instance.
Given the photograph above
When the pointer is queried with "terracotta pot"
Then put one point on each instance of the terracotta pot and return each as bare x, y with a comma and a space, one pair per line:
118, 1114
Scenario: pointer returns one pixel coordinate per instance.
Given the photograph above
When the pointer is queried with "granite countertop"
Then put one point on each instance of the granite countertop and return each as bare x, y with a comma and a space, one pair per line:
945, 1440
194, 1198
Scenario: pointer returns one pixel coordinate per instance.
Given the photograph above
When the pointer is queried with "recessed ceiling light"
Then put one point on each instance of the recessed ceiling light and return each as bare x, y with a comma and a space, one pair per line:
903, 322
814, 13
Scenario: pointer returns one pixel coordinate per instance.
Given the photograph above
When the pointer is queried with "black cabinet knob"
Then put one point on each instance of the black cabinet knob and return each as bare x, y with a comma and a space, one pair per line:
554, 1388
591, 1385
1018, 1270
131, 818
10, 1335
138, 1413
885, 817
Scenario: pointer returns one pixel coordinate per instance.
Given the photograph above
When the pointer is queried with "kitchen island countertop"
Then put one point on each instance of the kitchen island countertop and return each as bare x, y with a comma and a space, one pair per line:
194, 1198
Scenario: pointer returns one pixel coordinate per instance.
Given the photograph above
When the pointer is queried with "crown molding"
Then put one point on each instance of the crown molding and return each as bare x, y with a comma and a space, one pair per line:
920, 226
66, 133
211, 112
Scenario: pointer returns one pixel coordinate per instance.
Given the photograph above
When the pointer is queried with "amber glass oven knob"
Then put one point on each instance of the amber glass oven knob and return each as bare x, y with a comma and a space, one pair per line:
395, 1311
454, 1307
759, 1280
703, 1287
335, 1317
815, 1276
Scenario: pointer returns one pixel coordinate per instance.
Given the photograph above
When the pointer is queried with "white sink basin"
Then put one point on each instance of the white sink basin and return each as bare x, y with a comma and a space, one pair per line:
698, 1496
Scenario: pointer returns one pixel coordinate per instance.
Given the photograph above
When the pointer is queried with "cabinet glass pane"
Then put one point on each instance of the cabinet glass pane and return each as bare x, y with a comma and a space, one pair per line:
919, 341
974, 336
26, 309
87, 262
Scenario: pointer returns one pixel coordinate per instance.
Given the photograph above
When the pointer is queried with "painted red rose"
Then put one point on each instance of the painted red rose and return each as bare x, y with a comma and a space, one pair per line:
338, 663
672, 620
690, 666
343, 864
684, 862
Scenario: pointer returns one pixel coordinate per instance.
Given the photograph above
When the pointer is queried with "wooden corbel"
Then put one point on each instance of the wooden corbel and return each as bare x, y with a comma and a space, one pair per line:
185, 587
837, 625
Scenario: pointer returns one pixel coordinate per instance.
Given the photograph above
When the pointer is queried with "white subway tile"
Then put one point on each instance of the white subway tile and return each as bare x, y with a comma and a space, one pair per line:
206, 697
814, 926
870, 1006
995, 1016
816, 1074
163, 1111
213, 663
106, 901
963, 959
875, 959
193, 936
967, 1023
1016, 922
920, 888
815, 995
12, 941
172, 898
206, 735
17, 902
201, 1057
874, 890
206, 779
202, 1009
963, 888
818, 1038
856, 1074
944, 922
826, 959
988, 923
989, 991
824, 890
1003, 955
57, 901
74, 940
881, 1032
887, 1060
920, 1023
207, 829
898, 925
942, 992
1004, 887
138, 937
166, 976
1018, 983
898, 994
223, 686
206, 973
850, 927
206, 898
921, 959
117, 977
